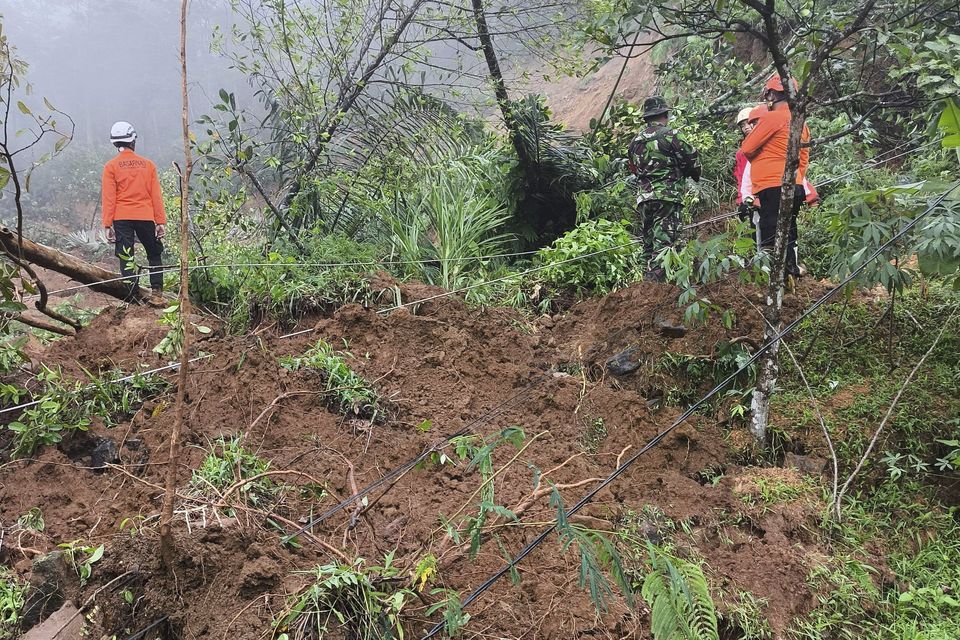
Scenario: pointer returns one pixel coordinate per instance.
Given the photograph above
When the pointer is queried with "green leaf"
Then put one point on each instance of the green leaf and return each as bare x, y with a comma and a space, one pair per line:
424, 426
24, 108
96, 555
203, 329
950, 119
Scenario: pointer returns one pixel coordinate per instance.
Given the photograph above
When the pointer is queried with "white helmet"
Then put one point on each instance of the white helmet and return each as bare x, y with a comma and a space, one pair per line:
744, 114
122, 132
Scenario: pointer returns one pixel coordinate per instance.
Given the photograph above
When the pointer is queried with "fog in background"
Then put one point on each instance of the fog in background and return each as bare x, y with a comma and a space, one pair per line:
106, 60
100, 61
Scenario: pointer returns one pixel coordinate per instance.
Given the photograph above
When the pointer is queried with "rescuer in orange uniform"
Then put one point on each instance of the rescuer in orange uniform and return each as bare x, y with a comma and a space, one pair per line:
133, 207
765, 146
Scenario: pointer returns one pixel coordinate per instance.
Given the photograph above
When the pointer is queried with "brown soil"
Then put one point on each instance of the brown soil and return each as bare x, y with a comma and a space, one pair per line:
449, 364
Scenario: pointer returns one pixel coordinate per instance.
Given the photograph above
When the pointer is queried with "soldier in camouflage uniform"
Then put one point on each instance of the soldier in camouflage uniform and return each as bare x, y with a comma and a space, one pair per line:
662, 161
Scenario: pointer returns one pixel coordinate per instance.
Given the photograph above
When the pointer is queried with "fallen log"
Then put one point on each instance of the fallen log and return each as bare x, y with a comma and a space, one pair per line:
74, 268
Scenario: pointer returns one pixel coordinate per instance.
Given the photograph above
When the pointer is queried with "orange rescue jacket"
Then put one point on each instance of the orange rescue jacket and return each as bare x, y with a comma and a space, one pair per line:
766, 147
131, 190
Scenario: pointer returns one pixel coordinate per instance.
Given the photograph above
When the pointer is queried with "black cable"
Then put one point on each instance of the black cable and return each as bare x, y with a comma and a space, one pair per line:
147, 629
406, 466
616, 473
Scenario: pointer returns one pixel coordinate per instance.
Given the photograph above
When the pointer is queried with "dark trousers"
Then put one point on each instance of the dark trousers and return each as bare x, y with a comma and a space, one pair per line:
146, 232
659, 226
769, 212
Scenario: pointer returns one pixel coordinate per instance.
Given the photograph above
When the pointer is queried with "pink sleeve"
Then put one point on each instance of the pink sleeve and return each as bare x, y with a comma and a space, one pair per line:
746, 184
739, 164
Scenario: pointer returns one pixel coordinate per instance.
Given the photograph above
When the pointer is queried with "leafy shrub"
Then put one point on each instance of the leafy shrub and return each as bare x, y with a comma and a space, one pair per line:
227, 463
348, 391
65, 406
449, 221
701, 262
281, 286
614, 263
364, 602
13, 593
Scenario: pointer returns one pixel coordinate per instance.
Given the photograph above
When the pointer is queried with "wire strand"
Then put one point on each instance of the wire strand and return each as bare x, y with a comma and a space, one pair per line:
653, 442
128, 378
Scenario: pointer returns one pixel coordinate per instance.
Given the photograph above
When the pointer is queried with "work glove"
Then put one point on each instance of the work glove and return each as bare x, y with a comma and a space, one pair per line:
161, 231
745, 211
111, 235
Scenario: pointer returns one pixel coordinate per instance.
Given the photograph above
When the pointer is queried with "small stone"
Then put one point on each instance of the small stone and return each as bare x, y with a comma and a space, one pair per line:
624, 362
104, 453
670, 330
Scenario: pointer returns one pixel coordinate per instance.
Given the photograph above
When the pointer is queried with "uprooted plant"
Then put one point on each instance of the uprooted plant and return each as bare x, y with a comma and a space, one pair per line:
228, 463
347, 390
364, 601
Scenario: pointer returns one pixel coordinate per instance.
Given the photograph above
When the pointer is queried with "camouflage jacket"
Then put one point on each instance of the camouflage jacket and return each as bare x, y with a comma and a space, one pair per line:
661, 160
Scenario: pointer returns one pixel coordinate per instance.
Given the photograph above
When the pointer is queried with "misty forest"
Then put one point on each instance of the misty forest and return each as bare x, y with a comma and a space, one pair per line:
386, 319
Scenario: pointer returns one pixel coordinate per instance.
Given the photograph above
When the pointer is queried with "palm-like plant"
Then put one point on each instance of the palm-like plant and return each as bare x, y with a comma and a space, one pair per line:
449, 222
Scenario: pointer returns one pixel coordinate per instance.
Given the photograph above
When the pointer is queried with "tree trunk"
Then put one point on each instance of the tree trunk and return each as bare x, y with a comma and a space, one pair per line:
496, 77
769, 364
76, 269
170, 485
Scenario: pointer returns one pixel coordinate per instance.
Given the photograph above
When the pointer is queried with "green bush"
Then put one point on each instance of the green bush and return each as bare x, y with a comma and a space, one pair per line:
64, 406
228, 462
283, 286
613, 265
13, 592
347, 390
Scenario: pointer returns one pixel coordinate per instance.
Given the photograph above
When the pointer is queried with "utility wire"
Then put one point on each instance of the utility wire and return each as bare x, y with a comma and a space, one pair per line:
333, 265
616, 473
139, 374
410, 464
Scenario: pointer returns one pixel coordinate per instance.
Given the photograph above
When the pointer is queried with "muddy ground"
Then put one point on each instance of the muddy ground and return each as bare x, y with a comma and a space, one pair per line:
451, 365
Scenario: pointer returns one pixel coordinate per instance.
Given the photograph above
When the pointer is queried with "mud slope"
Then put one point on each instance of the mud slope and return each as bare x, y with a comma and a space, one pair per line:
448, 364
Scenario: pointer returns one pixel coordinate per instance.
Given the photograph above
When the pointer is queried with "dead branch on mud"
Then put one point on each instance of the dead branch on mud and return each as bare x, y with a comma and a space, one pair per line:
838, 502
823, 424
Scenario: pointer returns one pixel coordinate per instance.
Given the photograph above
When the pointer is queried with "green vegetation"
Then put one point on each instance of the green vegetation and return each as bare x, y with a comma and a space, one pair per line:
363, 601
82, 557
679, 599
347, 390
13, 593
65, 406
228, 463
612, 261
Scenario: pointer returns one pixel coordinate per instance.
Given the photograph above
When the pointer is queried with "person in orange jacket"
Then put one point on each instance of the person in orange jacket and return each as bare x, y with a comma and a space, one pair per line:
765, 146
133, 207
747, 201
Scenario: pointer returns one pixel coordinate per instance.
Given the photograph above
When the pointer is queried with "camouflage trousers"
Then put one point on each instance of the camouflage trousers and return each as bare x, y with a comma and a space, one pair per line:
658, 224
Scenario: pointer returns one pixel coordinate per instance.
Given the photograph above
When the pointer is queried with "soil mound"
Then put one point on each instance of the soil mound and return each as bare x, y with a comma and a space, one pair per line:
444, 368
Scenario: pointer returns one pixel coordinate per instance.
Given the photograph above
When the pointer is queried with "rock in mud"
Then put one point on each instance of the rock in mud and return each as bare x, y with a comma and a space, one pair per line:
91, 450
670, 330
627, 361
105, 452
51, 577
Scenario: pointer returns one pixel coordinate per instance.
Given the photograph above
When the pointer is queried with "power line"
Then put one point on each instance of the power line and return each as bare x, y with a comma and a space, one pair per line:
410, 464
653, 442
128, 378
